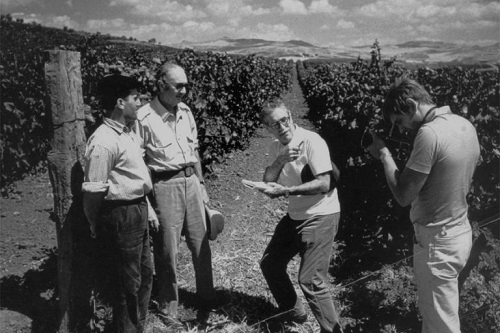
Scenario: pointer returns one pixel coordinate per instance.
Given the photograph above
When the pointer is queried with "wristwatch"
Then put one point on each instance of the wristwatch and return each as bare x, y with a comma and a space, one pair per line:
287, 193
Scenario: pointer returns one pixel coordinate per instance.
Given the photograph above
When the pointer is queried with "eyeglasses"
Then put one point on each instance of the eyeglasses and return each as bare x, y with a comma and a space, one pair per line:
178, 86
283, 121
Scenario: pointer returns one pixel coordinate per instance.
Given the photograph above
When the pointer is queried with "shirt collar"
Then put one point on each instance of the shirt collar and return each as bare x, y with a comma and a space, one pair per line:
165, 114
115, 125
436, 112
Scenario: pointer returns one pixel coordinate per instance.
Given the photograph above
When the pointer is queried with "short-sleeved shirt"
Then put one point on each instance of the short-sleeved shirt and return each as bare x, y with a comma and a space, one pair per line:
314, 155
169, 140
113, 163
446, 149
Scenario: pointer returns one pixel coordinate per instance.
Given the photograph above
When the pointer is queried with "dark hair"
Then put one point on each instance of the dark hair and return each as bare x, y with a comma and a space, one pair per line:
115, 86
396, 99
269, 107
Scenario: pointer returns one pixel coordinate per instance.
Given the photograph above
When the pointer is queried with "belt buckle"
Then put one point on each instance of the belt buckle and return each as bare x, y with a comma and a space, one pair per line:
189, 171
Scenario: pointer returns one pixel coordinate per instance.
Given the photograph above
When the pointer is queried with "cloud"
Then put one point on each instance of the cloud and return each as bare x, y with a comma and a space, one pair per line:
233, 11
27, 18
195, 27
51, 21
322, 6
169, 11
297, 7
278, 32
293, 7
10, 5
63, 21
343, 24
419, 10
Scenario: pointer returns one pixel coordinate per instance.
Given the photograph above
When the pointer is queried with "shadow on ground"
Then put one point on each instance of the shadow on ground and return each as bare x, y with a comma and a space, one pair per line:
33, 295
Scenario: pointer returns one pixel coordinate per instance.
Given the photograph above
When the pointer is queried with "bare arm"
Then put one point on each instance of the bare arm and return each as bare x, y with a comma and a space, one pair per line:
404, 186
199, 173
273, 171
321, 184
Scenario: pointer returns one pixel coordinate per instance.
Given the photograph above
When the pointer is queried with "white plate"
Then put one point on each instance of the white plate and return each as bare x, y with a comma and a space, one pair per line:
261, 186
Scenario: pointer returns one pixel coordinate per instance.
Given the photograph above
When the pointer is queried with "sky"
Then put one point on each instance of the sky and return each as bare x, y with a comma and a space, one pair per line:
326, 23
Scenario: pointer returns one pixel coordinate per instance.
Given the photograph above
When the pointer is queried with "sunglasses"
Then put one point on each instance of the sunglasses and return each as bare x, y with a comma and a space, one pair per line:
178, 86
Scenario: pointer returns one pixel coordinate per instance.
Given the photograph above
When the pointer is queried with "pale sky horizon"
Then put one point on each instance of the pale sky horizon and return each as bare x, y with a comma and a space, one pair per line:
326, 23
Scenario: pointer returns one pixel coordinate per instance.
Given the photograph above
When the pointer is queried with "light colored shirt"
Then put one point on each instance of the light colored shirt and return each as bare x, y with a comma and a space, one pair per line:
169, 140
447, 149
113, 163
315, 153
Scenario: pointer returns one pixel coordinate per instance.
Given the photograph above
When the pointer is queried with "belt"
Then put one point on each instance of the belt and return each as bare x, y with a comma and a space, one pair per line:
166, 175
117, 203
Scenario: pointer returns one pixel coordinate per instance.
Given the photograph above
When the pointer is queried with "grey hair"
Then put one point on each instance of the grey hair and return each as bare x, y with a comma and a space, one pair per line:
166, 68
269, 107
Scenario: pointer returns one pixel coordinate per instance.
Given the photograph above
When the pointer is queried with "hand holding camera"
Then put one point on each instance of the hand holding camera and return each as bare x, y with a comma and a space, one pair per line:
375, 140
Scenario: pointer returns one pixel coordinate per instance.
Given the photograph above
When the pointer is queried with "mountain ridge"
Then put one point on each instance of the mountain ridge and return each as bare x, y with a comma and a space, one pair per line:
416, 51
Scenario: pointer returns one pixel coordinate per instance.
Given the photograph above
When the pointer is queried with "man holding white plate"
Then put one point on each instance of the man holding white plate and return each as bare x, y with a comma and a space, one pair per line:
300, 169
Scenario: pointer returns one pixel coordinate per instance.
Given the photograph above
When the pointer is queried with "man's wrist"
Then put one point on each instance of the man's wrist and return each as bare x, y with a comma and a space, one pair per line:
287, 192
385, 153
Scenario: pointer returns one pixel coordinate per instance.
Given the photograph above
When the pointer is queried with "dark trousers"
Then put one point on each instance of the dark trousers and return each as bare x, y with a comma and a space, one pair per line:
312, 239
124, 237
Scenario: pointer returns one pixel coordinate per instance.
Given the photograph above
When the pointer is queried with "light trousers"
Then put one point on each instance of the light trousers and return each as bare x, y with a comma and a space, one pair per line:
440, 254
180, 207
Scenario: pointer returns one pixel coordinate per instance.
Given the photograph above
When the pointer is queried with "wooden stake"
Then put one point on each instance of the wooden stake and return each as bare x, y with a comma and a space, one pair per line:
64, 84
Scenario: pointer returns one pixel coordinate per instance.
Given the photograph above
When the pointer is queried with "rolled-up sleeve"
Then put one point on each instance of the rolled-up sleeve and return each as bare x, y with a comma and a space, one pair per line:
98, 164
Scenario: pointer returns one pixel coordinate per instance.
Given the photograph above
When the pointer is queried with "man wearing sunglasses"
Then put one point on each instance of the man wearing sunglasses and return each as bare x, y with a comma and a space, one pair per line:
435, 181
169, 138
300, 169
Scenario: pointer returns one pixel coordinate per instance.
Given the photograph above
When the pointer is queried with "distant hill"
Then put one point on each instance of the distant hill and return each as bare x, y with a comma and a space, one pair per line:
418, 52
21, 38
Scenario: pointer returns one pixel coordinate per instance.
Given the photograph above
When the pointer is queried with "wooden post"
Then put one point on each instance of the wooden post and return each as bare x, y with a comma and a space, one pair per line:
64, 84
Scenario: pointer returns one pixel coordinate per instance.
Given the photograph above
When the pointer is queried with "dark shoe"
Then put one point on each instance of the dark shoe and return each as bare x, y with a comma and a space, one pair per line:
171, 322
202, 316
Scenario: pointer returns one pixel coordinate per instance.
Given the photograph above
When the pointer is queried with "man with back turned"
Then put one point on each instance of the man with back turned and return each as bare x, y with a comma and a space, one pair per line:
435, 181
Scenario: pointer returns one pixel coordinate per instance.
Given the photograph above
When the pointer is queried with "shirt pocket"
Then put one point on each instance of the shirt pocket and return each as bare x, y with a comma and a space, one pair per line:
162, 139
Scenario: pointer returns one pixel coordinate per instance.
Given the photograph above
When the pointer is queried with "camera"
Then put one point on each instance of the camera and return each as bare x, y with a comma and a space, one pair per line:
399, 148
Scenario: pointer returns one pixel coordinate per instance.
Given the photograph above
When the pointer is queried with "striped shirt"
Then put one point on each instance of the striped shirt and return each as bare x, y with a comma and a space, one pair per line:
113, 163
170, 140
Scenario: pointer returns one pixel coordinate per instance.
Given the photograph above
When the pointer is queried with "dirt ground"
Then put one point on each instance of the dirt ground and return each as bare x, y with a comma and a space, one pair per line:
28, 242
